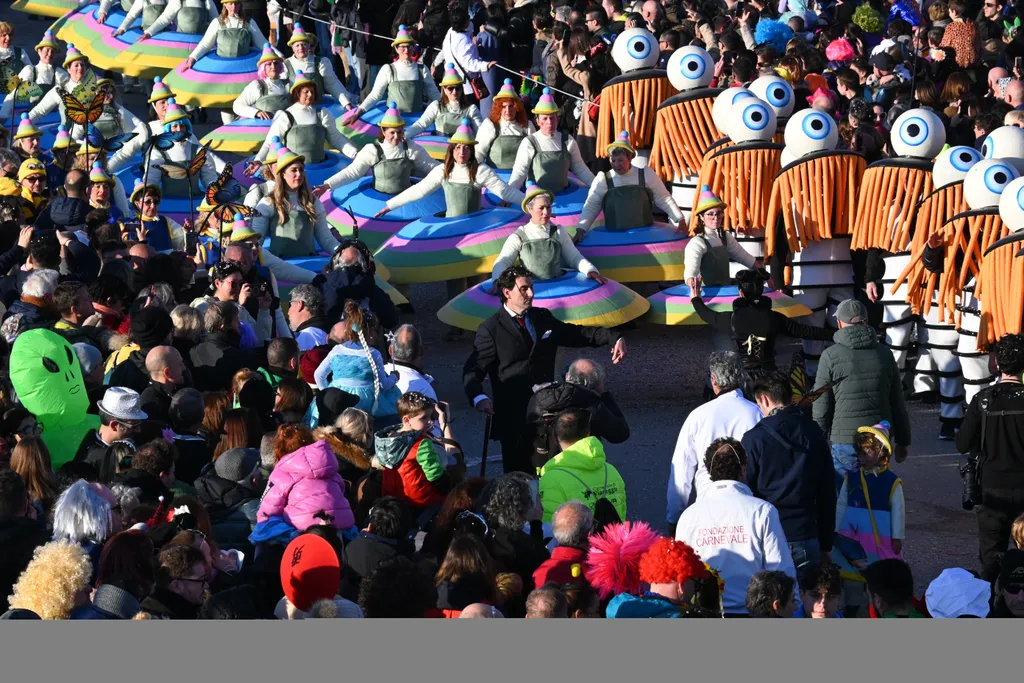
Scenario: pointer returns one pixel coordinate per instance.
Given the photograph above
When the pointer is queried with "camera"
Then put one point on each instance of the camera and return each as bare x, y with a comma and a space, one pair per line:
970, 473
262, 289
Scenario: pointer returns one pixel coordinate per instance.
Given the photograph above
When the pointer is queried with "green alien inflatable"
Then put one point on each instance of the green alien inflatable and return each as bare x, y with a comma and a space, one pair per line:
47, 378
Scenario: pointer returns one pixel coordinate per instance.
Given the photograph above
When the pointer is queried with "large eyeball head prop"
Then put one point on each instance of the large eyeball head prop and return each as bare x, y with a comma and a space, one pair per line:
809, 131
635, 48
952, 165
986, 181
1006, 143
918, 133
690, 67
752, 121
777, 92
1011, 205
786, 157
721, 110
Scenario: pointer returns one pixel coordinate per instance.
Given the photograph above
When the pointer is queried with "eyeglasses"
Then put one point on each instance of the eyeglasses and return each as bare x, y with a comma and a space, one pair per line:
205, 581
714, 213
1013, 589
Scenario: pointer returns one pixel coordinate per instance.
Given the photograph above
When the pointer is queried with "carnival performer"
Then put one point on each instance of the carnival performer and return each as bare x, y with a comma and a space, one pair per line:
27, 141
407, 83
80, 85
43, 76
712, 248
231, 34
101, 187
12, 59
627, 194
292, 217
268, 94
392, 160
160, 232
174, 183
461, 176
304, 128
86, 158
501, 134
305, 61
547, 156
188, 16
446, 114
115, 119
63, 153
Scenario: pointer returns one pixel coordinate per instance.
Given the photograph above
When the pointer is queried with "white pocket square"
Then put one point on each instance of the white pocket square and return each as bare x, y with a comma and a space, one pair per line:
546, 334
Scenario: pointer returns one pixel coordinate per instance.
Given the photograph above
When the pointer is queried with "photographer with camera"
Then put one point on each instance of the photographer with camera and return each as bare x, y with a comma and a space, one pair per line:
992, 434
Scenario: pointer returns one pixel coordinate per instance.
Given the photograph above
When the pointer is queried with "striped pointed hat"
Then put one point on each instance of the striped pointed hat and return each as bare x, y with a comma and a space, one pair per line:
141, 187
881, 432
269, 55
546, 103
622, 142
275, 147
451, 76
299, 35
392, 117
507, 91
403, 37
160, 91
286, 157
240, 229
26, 129
98, 175
301, 80
48, 41
534, 190
174, 112
707, 200
63, 140
73, 55
463, 135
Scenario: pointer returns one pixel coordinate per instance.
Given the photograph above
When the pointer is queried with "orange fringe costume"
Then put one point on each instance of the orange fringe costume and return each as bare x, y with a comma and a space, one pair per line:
630, 102
1002, 272
683, 133
743, 176
891, 191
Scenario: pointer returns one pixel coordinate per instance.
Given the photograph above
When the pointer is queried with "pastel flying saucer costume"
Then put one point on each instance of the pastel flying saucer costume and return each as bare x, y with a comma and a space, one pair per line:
391, 170
639, 90
561, 281
742, 173
298, 235
630, 246
225, 62
816, 196
465, 240
684, 128
315, 68
45, 8
891, 192
41, 78
407, 83
961, 289
498, 139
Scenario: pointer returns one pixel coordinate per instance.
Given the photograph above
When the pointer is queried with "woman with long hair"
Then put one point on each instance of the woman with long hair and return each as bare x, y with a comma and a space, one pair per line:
242, 429
466, 576
295, 220
354, 366
217, 403
31, 459
351, 439
293, 399
55, 582
460, 499
125, 576
290, 438
17, 424
499, 136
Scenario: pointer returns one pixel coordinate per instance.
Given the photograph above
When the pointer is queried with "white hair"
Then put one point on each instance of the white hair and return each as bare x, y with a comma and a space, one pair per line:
81, 514
40, 283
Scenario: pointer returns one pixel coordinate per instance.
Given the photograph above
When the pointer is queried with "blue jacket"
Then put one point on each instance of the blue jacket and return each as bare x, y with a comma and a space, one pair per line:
626, 606
109, 602
789, 464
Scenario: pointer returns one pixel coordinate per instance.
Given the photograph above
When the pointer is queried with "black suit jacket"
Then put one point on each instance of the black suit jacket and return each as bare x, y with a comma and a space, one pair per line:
501, 353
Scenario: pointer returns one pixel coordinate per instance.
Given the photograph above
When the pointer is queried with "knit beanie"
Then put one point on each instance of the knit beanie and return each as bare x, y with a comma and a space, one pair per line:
151, 326
310, 571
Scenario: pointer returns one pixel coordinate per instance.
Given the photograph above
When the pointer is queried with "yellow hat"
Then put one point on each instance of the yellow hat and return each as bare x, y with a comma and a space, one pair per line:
507, 92
546, 103
160, 91
31, 167
463, 135
275, 147
174, 113
707, 200
73, 55
9, 188
63, 140
403, 37
302, 80
141, 188
26, 129
299, 35
622, 142
392, 117
451, 76
48, 41
286, 157
269, 55
533, 190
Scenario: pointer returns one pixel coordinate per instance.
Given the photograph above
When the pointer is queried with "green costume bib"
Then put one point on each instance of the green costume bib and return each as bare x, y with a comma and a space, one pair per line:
294, 237
392, 176
460, 198
714, 266
233, 42
407, 95
308, 140
541, 257
195, 20
627, 206
550, 170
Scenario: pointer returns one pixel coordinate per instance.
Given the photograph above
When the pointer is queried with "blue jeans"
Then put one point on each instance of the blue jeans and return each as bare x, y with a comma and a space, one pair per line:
805, 553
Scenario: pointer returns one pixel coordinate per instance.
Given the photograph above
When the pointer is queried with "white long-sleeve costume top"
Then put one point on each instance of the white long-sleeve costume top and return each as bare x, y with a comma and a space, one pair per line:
571, 256
599, 188
104, 8
403, 71
326, 70
181, 153
368, 156
459, 49
254, 196
305, 116
897, 510
737, 535
137, 145
209, 41
426, 120
251, 94
487, 133
728, 415
261, 222
129, 122
547, 143
52, 100
696, 248
170, 13
41, 74
460, 174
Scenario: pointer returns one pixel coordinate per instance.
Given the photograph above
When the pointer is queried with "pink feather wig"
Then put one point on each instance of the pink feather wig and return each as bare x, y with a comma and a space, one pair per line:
613, 563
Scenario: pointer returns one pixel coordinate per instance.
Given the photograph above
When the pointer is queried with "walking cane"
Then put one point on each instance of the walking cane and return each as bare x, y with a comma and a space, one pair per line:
487, 441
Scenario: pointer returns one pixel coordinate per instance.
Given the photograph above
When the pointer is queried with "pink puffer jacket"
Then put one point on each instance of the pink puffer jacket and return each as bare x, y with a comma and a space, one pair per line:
304, 483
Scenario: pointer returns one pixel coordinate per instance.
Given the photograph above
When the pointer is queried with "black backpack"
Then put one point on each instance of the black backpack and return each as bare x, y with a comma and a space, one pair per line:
604, 510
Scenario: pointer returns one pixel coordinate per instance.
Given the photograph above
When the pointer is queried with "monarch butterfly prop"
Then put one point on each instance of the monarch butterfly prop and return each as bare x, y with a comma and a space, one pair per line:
802, 395
82, 114
162, 142
222, 195
188, 171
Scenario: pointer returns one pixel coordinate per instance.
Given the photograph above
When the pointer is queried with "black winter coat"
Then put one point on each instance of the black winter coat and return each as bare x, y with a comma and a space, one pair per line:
232, 508
606, 419
379, 15
343, 284
363, 554
216, 360
19, 537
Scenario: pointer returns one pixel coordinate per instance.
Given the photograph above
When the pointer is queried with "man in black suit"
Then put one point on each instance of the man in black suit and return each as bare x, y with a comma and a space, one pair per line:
516, 348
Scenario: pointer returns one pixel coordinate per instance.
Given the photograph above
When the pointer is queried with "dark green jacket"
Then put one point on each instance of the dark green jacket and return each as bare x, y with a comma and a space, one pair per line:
871, 389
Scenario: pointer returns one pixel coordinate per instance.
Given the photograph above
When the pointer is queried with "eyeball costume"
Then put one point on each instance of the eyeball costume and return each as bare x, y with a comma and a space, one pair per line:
778, 94
630, 101
815, 197
47, 379
1002, 271
684, 128
742, 174
961, 289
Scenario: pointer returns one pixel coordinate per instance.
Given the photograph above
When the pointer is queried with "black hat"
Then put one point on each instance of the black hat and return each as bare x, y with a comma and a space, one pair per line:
1012, 571
237, 464
151, 326
19, 614
331, 403
883, 62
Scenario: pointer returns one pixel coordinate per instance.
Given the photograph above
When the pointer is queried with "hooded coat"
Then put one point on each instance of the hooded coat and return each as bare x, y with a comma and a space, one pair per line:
303, 484
346, 283
582, 473
232, 508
